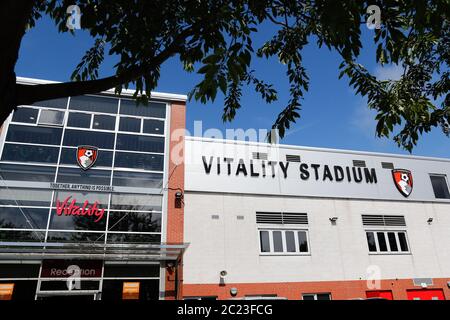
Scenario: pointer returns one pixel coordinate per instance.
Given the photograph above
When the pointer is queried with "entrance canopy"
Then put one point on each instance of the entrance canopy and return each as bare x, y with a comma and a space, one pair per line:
92, 251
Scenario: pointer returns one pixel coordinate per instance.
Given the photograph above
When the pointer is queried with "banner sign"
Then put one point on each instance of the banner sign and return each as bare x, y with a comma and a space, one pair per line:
68, 207
69, 268
81, 187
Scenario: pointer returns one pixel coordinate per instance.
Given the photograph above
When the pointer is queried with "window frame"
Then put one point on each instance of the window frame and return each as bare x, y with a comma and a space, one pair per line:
283, 229
388, 245
316, 294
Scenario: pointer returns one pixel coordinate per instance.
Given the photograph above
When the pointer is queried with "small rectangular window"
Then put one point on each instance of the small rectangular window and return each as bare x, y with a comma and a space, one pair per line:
403, 241
26, 115
277, 241
382, 241
371, 242
302, 241
440, 187
153, 126
79, 120
51, 117
104, 122
130, 124
290, 241
316, 296
265, 241
392, 241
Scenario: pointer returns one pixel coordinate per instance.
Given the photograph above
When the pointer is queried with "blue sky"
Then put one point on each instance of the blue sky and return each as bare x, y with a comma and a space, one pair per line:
332, 115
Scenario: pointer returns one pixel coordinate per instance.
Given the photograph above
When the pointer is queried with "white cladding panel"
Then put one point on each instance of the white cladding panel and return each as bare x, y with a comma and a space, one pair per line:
197, 179
337, 252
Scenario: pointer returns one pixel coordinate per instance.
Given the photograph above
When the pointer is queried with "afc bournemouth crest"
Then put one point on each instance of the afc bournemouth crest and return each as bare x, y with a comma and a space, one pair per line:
86, 156
403, 181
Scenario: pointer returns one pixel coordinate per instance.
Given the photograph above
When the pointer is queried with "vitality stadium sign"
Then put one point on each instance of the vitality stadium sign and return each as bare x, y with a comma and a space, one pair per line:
270, 169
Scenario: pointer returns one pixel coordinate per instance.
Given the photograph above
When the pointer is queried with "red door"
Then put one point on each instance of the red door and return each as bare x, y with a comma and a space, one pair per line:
386, 294
425, 294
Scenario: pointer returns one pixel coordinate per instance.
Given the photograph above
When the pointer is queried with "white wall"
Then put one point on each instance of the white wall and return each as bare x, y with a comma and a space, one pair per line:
338, 252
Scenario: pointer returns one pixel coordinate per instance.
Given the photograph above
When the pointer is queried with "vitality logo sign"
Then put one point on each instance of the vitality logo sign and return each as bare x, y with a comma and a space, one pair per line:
86, 156
403, 181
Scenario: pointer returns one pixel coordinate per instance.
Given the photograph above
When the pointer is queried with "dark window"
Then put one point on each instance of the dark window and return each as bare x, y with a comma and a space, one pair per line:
62, 286
134, 221
403, 241
265, 241
104, 122
80, 197
117, 270
392, 241
137, 179
25, 197
130, 124
309, 297
38, 135
112, 289
382, 241
91, 237
29, 153
371, 242
80, 120
54, 103
139, 161
92, 176
440, 187
155, 110
69, 156
17, 236
140, 143
153, 126
141, 202
27, 173
277, 241
103, 140
19, 270
303, 241
323, 296
27, 115
79, 222
94, 103
23, 218
290, 241
51, 117
133, 238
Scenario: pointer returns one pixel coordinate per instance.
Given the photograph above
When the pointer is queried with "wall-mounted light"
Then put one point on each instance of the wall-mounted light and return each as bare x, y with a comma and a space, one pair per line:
223, 275
430, 220
333, 220
178, 195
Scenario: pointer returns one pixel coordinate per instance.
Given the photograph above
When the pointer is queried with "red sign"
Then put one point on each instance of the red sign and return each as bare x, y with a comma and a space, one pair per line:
71, 209
71, 268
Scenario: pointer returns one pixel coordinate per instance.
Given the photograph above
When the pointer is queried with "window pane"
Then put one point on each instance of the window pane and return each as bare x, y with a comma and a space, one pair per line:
323, 296
137, 270
155, 110
103, 140
23, 218
123, 201
277, 241
81, 120
308, 297
69, 156
139, 161
403, 241
35, 236
130, 124
52, 117
80, 197
94, 222
27, 173
302, 241
133, 238
104, 122
90, 237
75, 175
264, 241
440, 187
25, 197
60, 103
371, 242
38, 135
382, 241
392, 241
137, 179
94, 103
135, 221
27, 115
153, 126
290, 241
29, 153
140, 143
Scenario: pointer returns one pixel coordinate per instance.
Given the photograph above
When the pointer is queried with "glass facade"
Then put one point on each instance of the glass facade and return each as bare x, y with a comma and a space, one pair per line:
42, 194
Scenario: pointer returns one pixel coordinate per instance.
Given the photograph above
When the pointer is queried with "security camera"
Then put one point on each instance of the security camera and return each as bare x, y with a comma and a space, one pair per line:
430, 220
223, 274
